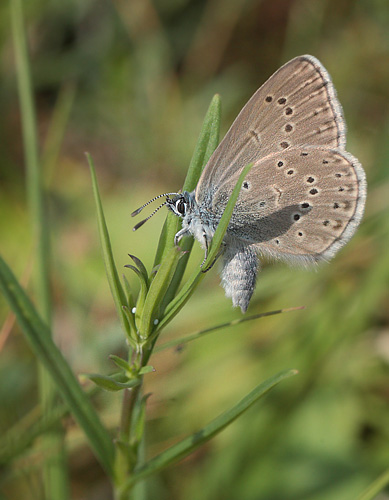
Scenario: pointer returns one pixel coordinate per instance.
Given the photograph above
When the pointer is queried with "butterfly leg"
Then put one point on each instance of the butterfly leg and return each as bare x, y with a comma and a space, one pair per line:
183, 232
221, 250
206, 246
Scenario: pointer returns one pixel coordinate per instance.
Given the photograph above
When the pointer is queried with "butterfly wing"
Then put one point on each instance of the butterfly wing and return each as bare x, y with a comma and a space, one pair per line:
309, 210
297, 105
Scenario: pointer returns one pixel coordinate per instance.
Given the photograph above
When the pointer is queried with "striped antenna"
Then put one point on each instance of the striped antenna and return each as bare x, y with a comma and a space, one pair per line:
137, 226
138, 211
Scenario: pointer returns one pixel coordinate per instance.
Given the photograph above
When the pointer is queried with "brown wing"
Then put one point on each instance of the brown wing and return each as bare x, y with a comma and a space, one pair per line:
296, 106
301, 204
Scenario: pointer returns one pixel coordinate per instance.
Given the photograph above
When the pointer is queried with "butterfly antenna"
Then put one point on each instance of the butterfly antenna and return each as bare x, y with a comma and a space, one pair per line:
149, 217
138, 211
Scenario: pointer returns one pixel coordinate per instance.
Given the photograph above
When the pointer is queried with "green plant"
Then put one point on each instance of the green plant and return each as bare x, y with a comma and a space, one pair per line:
161, 297
159, 300
142, 321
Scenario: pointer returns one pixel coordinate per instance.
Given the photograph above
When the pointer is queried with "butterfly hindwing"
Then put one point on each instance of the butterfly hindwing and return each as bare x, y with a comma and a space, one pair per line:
311, 207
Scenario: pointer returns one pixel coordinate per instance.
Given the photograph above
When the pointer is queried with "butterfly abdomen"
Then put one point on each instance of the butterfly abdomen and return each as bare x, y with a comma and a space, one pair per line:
239, 273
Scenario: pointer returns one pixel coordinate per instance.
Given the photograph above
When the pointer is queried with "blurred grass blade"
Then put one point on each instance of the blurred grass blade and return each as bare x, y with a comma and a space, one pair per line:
376, 487
206, 331
206, 144
54, 470
19, 438
56, 131
117, 291
225, 219
191, 443
38, 335
23, 433
38, 213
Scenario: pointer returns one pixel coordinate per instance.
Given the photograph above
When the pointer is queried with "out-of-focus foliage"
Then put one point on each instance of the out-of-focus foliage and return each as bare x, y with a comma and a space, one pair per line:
130, 82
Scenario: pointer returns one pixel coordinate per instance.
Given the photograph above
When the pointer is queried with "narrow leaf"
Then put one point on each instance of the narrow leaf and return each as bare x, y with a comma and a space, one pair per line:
191, 443
180, 300
127, 287
139, 264
206, 331
166, 239
131, 303
110, 267
156, 291
206, 143
142, 292
225, 219
146, 369
131, 341
38, 335
110, 384
120, 362
376, 487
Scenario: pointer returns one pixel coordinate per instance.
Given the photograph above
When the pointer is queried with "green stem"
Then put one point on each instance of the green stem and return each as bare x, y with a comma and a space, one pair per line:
55, 468
127, 408
125, 460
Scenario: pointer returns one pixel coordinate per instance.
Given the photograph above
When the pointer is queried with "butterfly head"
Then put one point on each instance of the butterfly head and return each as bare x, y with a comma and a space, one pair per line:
180, 204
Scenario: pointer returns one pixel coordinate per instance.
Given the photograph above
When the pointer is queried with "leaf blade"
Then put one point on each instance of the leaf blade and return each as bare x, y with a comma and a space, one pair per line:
206, 143
191, 443
375, 487
38, 335
225, 218
157, 289
109, 383
117, 291
202, 333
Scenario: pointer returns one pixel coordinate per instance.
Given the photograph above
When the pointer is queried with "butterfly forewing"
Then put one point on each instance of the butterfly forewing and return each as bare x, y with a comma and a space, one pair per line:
296, 106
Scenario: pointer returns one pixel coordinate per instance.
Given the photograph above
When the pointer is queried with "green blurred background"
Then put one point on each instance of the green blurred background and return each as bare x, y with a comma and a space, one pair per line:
130, 82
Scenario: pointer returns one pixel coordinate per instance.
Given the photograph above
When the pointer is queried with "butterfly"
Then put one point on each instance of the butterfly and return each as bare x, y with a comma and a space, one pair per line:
303, 198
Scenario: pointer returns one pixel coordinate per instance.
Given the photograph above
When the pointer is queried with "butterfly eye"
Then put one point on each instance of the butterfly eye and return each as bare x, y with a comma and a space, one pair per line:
181, 206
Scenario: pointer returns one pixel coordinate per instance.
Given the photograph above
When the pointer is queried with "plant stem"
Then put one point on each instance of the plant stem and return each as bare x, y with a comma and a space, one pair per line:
127, 455
130, 398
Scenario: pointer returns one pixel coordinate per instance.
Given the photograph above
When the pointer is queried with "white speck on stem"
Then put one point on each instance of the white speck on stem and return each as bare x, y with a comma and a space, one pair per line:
133, 310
